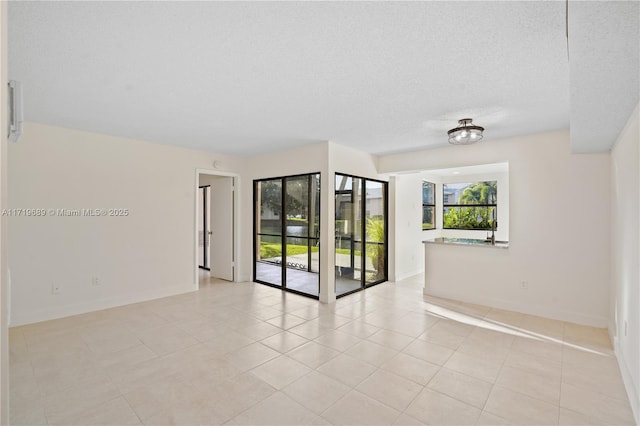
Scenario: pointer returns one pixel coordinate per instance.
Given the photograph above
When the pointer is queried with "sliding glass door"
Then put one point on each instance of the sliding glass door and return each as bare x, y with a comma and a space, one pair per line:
287, 233
361, 233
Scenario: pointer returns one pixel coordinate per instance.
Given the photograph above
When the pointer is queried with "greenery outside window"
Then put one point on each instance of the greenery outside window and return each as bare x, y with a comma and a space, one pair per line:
428, 205
470, 206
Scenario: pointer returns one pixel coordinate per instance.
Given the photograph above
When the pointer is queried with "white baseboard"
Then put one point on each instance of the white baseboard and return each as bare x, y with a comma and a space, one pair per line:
632, 392
55, 312
575, 317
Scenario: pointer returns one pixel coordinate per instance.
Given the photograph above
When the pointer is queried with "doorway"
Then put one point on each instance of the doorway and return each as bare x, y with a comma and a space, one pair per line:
215, 227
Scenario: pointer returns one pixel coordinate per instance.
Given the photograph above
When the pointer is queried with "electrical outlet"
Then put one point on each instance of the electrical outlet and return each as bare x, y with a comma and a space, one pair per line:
55, 288
524, 285
95, 281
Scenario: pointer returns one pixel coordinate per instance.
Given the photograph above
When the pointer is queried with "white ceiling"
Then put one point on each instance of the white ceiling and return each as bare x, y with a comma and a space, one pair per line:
247, 78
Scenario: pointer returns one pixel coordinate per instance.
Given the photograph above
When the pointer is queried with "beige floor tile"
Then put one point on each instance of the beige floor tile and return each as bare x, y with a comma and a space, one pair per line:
542, 326
114, 412
347, 370
203, 329
576, 333
74, 402
405, 420
532, 363
278, 409
332, 321
233, 396
502, 317
429, 352
544, 386
521, 409
414, 369
372, 353
487, 350
390, 389
259, 331
251, 356
228, 342
196, 413
359, 329
166, 339
338, 340
310, 330
572, 418
27, 415
548, 349
488, 419
358, 409
471, 366
391, 339
595, 405
124, 358
313, 354
149, 400
286, 321
603, 381
461, 387
265, 313
76, 370
280, 371
432, 407
143, 374
316, 391
442, 337
207, 372
284, 341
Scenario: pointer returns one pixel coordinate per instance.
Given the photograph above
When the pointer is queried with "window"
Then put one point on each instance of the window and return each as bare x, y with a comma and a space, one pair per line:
287, 233
470, 205
361, 233
428, 205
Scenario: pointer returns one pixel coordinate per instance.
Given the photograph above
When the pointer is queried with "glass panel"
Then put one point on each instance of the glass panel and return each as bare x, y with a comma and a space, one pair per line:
480, 218
428, 217
470, 193
314, 225
375, 263
269, 259
348, 234
298, 277
297, 205
428, 190
269, 205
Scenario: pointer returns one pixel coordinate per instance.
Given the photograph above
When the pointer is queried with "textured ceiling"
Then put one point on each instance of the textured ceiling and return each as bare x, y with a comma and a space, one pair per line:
245, 78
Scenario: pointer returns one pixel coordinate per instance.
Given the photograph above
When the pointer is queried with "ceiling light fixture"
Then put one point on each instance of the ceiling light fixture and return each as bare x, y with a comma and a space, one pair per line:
466, 133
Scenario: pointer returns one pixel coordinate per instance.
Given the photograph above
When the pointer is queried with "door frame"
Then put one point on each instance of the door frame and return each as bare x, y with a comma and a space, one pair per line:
206, 239
236, 210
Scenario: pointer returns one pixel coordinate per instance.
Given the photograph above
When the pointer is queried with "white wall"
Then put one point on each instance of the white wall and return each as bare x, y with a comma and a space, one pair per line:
147, 254
557, 245
4, 291
624, 324
406, 205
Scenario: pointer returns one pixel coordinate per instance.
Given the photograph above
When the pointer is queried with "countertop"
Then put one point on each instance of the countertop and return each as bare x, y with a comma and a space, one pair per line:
467, 242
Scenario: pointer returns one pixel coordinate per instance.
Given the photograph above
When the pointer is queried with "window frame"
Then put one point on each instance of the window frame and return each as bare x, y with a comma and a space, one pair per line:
432, 206
480, 205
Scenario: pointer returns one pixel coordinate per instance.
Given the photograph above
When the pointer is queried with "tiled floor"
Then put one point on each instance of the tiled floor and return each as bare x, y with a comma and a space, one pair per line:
243, 353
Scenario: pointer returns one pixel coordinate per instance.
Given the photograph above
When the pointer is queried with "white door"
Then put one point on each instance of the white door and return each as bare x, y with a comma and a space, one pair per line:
221, 243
